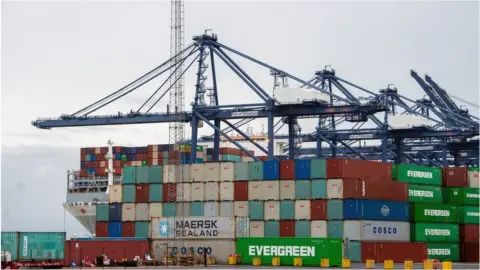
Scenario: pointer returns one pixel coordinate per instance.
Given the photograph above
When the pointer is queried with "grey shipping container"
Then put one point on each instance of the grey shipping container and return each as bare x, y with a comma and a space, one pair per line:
220, 249
211, 209
183, 209
370, 230
226, 209
141, 212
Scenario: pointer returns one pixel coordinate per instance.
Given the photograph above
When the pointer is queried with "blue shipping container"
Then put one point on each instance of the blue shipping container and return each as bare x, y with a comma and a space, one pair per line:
115, 212
93, 158
115, 229
118, 156
375, 210
302, 168
271, 170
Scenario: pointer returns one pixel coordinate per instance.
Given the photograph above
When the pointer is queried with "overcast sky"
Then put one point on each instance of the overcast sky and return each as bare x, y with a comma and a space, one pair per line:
60, 57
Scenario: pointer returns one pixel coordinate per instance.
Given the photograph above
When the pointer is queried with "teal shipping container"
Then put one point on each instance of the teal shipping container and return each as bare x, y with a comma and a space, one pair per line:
155, 175
142, 229
334, 209
255, 170
287, 210
352, 250
228, 157
128, 193
197, 209
319, 189
41, 246
128, 175
271, 228
169, 209
303, 189
102, 212
255, 210
10, 244
335, 228
155, 193
242, 170
141, 175
165, 155
302, 228
318, 169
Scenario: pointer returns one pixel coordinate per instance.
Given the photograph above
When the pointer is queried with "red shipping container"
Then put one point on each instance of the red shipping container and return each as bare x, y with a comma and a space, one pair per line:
117, 171
318, 210
77, 250
169, 192
82, 157
263, 158
128, 229
83, 173
375, 190
101, 229
117, 163
240, 191
99, 157
287, 169
469, 252
287, 228
92, 150
173, 161
399, 252
469, 233
358, 169
83, 151
141, 193
454, 176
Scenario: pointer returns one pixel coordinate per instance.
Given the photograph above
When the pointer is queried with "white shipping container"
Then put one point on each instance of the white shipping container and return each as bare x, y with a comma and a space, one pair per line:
155, 149
246, 159
242, 227
103, 164
169, 173
271, 190
155, 210
335, 189
193, 227
197, 173
142, 212
183, 192
128, 212
97, 150
226, 191
287, 190
318, 228
184, 172
197, 192
370, 230
210, 209
220, 249
212, 171
257, 228
271, 210
183, 209
227, 171
240, 208
154, 161
115, 193
302, 209
226, 209
211, 191
255, 190
473, 179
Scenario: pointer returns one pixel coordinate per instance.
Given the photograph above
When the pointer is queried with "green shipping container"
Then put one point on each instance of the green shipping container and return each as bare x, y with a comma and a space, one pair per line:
335, 229
319, 189
124, 157
271, 228
10, 244
318, 169
155, 193
255, 170
242, 171
197, 209
469, 214
334, 209
128, 175
142, 229
41, 246
141, 175
101, 212
432, 212
228, 157
473, 169
417, 174
424, 194
128, 193
169, 209
155, 175
353, 250
311, 250
255, 210
434, 232
443, 251
287, 210
303, 189
462, 195
302, 228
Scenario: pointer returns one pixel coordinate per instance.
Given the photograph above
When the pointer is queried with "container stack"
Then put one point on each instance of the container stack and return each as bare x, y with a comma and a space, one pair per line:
163, 154
229, 154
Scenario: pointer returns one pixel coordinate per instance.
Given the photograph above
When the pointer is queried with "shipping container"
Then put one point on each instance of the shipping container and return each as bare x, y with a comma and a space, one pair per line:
303, 189
227, 171
211, 209
184, 173
101, 229
462, 195
114, 229
373, 190
255, 210
376, 210
287, 190
226, 191
454, 176
271, 210
469, 252
287, 210
271, 170
142, 212
255, 190
115, 193
212, 171
128, 175
270, 190
434, 232
334, 188
415, 174
302, 209
302, 169
318, 229
240, 191
318, 169
197, 173
287, 228
197, 209
424, 194
272, 228
40, 246
220, 249
240, 208
101, 212
429, 212
358, 169
319, 189
396, 251
128, 229
469, 214
183, 209
443, 251
335, 229
115, 212
197, 192
242, 171
334, 209
155, 174
169, 192
77, 250
169, 209
10, 242
302, 228
310, 250
242, 227
183, 192
155, 210
142, 229
155, 192
141, 193
287, 170
257, 228
128, 193
211, 191
128, 212
372, 230
170, 172
473, 179
352, 250
226, 209
193, 228
255, 170
141, 175
469, 233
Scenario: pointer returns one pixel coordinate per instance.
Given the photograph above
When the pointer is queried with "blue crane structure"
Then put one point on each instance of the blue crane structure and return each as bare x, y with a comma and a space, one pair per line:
342, 107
